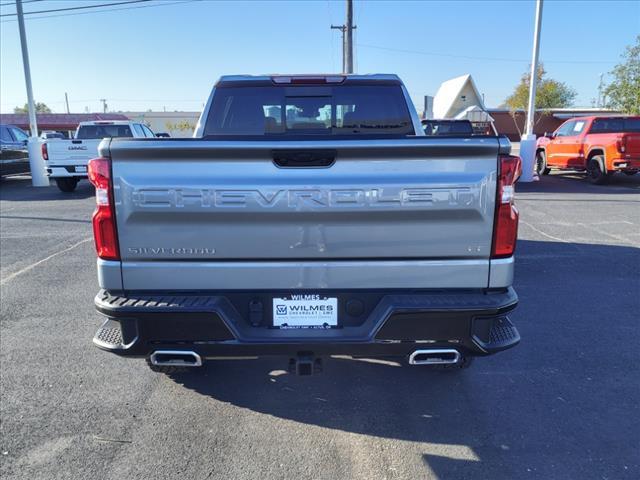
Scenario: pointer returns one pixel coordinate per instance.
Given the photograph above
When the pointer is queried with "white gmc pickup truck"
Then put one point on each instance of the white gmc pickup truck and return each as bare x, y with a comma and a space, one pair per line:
67, 159
310, 216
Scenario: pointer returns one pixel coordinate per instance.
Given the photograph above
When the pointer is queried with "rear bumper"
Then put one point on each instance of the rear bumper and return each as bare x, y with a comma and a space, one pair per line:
231, 324
67, 171
626, 164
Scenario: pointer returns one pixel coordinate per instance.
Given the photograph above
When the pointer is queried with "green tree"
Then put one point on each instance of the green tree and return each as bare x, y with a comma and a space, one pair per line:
624, 92
549, 93
40, 108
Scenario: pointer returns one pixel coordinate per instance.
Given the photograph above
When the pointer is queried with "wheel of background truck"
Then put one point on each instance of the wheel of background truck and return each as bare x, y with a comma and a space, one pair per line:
465, 362
166, 369
595, 170
541, 163
629, 172
67, 184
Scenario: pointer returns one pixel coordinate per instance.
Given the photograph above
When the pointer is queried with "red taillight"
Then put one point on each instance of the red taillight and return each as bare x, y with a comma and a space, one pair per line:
104, 218
621, 144
505, 227
45, 152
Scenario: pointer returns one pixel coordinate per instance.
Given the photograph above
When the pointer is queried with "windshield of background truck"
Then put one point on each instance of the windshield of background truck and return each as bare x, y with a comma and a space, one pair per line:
87, 132
292, 111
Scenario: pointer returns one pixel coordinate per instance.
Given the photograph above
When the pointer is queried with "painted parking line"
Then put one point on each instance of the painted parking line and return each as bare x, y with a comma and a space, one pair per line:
40, 262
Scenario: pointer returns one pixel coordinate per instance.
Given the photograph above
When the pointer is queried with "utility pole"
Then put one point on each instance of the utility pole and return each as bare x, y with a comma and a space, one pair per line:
600, 103
347, 39
66, 101
104, 105
528, 141
36, 162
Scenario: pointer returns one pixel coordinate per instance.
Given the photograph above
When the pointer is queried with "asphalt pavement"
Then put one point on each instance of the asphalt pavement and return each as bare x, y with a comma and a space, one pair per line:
564, 404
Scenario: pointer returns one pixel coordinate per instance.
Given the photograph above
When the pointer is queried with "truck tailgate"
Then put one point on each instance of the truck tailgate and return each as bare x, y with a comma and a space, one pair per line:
71, 152
190, 205
632, 144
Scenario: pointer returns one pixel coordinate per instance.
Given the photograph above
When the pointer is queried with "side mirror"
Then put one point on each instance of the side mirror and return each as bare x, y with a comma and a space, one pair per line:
162, 135
549, 135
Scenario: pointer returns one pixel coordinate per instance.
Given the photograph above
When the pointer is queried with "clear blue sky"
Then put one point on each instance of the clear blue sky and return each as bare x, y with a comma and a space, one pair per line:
169, 55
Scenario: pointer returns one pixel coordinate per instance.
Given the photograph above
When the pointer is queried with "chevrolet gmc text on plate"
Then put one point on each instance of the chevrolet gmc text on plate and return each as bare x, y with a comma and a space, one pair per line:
309, 217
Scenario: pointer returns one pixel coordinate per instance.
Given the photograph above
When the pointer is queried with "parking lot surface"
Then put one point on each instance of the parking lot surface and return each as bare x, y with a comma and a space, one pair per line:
564, 404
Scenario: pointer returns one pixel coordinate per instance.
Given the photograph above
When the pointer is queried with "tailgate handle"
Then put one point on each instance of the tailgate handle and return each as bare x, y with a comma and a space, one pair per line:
76, 141
307, 158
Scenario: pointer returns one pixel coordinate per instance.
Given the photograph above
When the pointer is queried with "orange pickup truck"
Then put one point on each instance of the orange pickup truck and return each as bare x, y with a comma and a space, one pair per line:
600, 146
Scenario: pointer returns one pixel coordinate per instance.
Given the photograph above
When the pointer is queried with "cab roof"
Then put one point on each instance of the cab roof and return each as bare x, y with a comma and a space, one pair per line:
309, 79
105, 122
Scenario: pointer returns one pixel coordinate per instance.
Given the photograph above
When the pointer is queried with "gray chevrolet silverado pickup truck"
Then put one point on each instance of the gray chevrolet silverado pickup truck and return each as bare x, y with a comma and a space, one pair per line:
310, 216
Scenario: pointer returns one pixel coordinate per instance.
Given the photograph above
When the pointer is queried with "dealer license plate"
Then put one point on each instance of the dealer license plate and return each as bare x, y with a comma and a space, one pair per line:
305, 311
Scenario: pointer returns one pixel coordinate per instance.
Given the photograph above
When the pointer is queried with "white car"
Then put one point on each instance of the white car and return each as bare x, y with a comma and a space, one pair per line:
67, 159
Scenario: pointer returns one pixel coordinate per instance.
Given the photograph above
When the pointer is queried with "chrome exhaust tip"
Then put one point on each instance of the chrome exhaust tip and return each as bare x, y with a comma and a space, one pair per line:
175, 358
447, 356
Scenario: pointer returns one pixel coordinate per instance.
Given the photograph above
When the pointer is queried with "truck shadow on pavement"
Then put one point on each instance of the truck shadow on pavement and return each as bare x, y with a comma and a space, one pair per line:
539, 409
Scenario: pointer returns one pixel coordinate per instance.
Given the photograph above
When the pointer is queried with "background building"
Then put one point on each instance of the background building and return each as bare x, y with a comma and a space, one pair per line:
59, 122
176, 124
455, 96
511, 124
459, 98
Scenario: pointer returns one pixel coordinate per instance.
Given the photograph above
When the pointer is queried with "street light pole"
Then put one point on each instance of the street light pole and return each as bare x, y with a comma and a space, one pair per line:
36, 162
533, 79
528, 141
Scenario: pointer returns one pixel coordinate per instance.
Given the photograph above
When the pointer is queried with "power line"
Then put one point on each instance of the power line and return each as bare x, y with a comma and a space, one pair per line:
469, 57
164, 4
84, 7
333, 63
127, 100
23, 2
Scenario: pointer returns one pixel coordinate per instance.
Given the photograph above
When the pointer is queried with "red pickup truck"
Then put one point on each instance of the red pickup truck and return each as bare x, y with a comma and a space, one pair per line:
600, 146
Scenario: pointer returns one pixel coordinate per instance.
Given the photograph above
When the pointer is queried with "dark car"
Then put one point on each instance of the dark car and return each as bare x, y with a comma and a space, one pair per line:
14, 158
447, 127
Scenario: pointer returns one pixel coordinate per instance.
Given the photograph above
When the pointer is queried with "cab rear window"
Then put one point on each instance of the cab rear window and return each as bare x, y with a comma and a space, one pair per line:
285, 111
615, 125
88, 132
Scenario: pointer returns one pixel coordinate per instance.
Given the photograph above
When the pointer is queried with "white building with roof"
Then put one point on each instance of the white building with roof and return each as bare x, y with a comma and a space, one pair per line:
459, 98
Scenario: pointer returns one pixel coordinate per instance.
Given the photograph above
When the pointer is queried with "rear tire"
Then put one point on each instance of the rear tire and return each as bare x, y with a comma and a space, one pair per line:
67, 184
541, 163
596, 172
